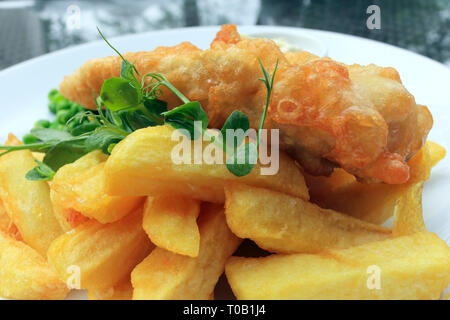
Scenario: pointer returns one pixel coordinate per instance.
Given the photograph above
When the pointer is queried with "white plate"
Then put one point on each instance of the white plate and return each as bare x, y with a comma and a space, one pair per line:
24, 87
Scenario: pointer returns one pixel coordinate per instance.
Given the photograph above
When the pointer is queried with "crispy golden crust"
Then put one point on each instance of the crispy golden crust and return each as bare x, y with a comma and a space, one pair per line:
25, 274
358, 117
381, 94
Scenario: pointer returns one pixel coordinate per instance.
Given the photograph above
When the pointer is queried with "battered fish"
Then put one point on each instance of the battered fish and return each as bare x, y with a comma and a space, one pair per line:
360, 118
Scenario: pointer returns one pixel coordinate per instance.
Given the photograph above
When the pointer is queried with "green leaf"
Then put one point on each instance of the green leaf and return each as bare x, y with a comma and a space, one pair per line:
236, 120
40, 172
111, 147
84, 128
157, 80
126, 70
134, 120
268, 81
247, 154
155, 106
46, 135
118, 94
101, 139
183, 117
65, 152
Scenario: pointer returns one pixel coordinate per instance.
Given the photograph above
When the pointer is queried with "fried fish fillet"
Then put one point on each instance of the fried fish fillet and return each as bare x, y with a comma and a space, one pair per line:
360, 118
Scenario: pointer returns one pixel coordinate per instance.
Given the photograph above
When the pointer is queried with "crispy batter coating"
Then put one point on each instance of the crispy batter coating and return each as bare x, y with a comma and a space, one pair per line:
360, 118
383, 96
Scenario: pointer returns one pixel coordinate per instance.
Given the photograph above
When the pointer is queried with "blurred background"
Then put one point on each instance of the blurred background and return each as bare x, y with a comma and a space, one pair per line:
29, 28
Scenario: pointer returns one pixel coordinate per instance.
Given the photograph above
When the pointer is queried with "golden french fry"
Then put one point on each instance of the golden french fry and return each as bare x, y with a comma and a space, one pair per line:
436, 152
121, 291
321, 185
375, 203
408, 217
12, 140
7, 226
27, 202
166, 275
104, 254
171, 223
67, 217
24, 273
409, 267
79, 187
285, 224
142, 164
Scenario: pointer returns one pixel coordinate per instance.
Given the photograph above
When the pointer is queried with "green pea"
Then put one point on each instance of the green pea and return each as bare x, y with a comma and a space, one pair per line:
62, 116
62, 105
29, 138
70, 125
57, 126
53, 94
56, 97
80, 108
42, 124
52, 107
74, 108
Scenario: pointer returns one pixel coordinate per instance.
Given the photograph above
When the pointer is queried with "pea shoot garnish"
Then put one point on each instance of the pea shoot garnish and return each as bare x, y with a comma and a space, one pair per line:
124, 105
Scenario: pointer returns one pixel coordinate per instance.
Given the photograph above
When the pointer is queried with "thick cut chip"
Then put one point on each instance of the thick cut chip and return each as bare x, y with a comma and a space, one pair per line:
408, 218
144, 163
67, 217
436, 152
376, 202
104, 254
285, 224
171, 223
320, 185
166, 275
121, 291
24, 273
6, 225
409, 267
27, 202
79, 187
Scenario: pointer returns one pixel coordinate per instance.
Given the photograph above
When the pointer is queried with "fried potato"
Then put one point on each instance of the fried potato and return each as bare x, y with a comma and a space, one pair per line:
376, 202
38, 156
409, 267
67, 217
166, 275
285, 224
141, 164
171, 223
408, 218
104, 253
436, 152
121, 291
7, 226
24, 273
321, 185
27, 202
80, 188
13, 140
